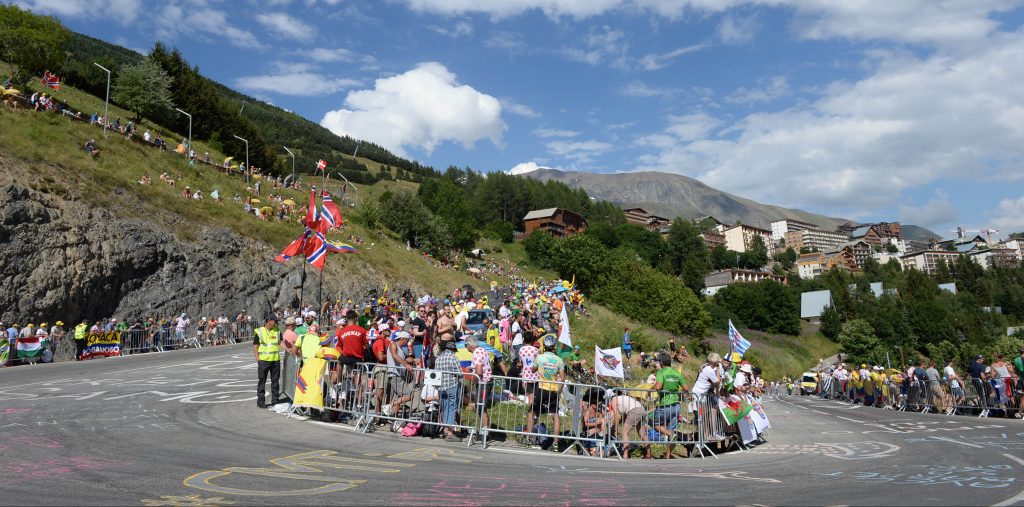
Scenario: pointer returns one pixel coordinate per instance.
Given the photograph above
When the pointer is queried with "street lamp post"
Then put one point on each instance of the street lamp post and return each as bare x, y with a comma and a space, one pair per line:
106, 102
293, 163
248, 170
187, 153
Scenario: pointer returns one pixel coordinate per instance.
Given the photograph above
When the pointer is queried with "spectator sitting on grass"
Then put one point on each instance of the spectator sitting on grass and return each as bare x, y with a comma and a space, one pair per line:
92, 149
145, 179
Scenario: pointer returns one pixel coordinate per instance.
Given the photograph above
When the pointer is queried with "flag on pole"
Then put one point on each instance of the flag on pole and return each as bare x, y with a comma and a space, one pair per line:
321, 165
564, 336
294, 248
608, 363
738, 342
51, 80
331, 213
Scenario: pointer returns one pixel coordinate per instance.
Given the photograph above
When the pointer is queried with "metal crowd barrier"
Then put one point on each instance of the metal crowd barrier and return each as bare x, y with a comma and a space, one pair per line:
973, 397
369, 394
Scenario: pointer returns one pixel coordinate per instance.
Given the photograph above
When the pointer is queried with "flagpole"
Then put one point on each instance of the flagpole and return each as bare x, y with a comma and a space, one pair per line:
320, 290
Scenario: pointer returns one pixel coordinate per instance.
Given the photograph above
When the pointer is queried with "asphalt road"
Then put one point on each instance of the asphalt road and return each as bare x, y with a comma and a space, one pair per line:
182, 428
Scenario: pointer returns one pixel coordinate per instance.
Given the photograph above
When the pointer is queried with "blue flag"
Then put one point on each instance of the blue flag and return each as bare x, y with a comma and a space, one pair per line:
738, 342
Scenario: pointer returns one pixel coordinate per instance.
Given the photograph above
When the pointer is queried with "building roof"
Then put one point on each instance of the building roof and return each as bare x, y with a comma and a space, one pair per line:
931, 251
751, 227
795, 221
540, 213
951, 287
860, 231
965, 247
636, 210
813, 304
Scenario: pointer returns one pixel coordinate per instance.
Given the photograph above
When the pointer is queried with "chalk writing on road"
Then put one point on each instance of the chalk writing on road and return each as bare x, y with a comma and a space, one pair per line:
468, 491
23, 471
292, 475
186, 500
981, 477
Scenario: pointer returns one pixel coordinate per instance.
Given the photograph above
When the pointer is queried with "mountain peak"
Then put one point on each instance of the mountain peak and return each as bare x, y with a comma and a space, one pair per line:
528, 167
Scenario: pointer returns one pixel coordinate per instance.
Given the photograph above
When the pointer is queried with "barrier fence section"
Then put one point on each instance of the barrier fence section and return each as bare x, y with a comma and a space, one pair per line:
973, 397
564, 415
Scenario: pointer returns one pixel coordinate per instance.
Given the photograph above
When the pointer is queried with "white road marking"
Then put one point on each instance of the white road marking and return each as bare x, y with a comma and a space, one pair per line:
945, 439
1014, 458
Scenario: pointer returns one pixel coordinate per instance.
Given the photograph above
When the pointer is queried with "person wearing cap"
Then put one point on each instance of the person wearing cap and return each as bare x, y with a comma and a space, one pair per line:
743, 378
289, 338
266, 349
709, 378
400, 373
180, 325
301, 325
668, 382
308, 343
57, 333
545, 400
481, 366
5, 347
451, 386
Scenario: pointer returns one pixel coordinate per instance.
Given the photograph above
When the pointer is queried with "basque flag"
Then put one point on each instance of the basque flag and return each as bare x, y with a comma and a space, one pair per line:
739, 343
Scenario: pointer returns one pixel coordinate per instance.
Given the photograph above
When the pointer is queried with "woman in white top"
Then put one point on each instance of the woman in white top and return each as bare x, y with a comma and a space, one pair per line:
956, 389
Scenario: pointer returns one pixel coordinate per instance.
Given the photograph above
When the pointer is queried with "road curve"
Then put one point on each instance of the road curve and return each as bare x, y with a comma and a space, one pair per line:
182, 428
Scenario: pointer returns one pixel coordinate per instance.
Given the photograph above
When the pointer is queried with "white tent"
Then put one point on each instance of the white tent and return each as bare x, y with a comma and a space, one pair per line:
813, 304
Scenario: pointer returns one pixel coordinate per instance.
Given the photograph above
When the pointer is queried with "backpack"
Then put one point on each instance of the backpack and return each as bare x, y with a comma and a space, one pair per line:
411, 429
544, 441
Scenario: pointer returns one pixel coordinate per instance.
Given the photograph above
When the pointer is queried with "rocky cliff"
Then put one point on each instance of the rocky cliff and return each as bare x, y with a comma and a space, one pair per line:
63, 259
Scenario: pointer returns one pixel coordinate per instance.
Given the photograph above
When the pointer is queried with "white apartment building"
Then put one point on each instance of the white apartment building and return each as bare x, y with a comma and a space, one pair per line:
739, 238
822, 241
781, 227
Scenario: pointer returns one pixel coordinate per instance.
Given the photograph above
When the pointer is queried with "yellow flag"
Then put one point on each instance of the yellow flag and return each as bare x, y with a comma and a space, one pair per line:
309, 385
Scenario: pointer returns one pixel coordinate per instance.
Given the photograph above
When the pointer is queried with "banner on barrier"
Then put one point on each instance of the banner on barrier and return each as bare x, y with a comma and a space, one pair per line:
734, 408
105, 344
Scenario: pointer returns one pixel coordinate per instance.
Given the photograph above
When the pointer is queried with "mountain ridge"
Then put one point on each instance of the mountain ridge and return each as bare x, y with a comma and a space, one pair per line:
671, 195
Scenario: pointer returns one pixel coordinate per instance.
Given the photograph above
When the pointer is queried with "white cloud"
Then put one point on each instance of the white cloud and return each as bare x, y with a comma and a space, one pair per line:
286, 26
776, 87
512, 42
936, 212
555, 133
578, 151
330, 55
460, 29
303, 84
525, 168
122, 11
916, 21
737, 30
518, 109
641, 89
654, 61
911, 121
1010, 216
422, 108
177, 19
602, 45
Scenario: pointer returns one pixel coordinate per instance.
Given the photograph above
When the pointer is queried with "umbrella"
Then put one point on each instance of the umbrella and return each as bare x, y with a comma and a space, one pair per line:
254, 201
559, 290
465, 357
474, 270
267, 209
11, 91
229, 159
288, 202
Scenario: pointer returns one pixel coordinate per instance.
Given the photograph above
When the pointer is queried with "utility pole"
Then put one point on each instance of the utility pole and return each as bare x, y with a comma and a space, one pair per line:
106, 102
248, 170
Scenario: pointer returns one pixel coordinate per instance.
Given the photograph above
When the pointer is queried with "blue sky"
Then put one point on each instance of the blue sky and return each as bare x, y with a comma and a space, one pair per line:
872, 110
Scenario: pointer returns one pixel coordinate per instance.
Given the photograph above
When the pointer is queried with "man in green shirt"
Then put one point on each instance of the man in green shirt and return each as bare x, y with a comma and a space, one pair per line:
668, 381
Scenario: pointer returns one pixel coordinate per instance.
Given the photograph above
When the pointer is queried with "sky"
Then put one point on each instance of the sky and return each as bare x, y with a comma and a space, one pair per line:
909, 110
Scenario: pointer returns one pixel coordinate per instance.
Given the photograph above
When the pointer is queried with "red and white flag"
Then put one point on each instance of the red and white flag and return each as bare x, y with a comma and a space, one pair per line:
321, 165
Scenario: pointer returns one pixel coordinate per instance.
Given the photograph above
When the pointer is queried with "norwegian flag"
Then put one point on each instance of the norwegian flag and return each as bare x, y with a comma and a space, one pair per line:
312, 220
331, 214
315, 250
51, 80
321, 165
294, 248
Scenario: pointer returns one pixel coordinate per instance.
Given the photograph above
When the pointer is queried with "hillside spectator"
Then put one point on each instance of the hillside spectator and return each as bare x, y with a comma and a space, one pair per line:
92, 149
146, 136
145, 180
